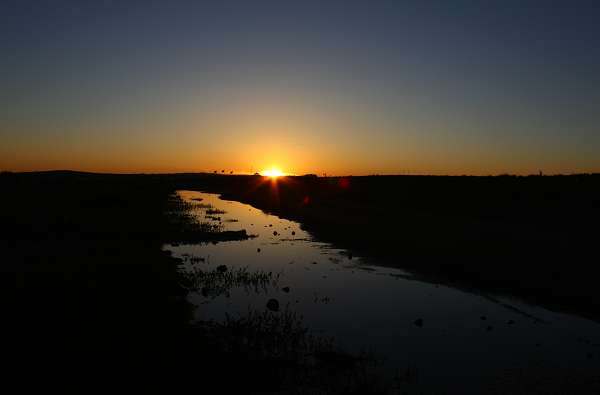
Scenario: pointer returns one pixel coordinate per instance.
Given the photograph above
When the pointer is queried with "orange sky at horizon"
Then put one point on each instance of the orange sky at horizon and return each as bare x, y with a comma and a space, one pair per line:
307, 87
253, 135
89, 164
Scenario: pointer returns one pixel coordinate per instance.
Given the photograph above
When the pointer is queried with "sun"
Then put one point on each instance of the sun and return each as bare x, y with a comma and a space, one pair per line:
272, 172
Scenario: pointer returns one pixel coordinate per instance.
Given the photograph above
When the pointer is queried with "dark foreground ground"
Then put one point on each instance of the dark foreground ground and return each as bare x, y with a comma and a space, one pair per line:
88, 296
89, 301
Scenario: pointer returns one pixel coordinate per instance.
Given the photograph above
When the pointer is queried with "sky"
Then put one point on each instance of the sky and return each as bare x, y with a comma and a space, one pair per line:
335, 87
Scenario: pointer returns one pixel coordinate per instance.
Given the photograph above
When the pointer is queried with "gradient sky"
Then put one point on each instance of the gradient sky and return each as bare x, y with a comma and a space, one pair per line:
336, 87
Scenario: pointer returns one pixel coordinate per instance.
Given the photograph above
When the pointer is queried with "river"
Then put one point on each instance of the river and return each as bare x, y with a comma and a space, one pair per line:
447, 337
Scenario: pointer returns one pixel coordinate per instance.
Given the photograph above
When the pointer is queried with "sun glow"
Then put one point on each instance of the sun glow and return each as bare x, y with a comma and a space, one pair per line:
273, 173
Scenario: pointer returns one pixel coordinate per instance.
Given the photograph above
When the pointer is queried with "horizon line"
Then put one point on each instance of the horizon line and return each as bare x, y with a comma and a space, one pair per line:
322, 175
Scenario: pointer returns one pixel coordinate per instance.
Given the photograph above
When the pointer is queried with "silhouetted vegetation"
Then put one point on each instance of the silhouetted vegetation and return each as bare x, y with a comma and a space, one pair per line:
275, 349
212, 283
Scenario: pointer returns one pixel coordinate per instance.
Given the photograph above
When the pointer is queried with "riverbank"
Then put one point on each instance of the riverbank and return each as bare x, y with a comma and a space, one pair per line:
450, 338
89, 297
85, 285
530, 237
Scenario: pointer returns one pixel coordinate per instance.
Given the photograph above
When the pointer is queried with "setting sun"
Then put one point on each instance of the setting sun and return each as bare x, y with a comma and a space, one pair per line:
273, 173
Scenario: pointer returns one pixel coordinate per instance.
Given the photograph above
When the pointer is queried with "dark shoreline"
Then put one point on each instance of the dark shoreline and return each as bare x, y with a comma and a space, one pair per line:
90, 299
527, 237
86, 288
530, 237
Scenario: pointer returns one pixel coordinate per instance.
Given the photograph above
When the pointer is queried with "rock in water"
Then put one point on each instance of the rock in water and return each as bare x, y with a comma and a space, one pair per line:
273, 305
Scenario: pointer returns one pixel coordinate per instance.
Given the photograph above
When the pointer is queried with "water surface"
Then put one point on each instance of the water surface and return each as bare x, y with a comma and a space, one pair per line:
467, 340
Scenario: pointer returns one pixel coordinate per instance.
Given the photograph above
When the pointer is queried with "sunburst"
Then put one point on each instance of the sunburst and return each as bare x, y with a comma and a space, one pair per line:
273, 173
